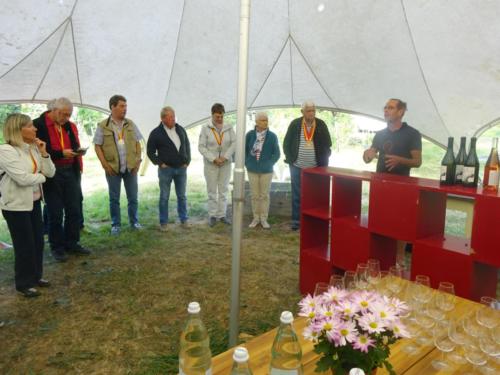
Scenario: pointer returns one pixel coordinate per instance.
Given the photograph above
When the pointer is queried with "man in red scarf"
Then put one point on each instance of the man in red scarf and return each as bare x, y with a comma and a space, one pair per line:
62, 192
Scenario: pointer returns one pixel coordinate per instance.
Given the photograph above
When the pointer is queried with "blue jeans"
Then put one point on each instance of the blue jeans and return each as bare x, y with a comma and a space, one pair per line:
295, 177
165, 176
114, 189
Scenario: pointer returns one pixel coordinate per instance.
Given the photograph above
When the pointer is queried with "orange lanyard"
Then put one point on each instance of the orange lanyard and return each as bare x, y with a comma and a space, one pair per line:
33, 161
308, 135
218, 137
120, 134
61, 138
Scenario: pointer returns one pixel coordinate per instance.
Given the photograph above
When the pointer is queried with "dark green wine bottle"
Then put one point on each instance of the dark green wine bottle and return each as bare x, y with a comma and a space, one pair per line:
448, 165
460, 161
471, 166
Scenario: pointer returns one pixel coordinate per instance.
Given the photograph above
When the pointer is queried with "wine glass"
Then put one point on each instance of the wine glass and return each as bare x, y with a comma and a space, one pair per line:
427, 323
395, 282
422, 290
373, 272
492, 349
433, 309
350, 280
486, 315
444, 344
445, 300
411, 346
337, 281
362, 276
320, 288
473, 327
474, 355
457, 334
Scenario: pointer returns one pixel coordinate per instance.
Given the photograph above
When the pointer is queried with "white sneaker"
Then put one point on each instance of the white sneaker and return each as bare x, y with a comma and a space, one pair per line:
254, 223
265, 224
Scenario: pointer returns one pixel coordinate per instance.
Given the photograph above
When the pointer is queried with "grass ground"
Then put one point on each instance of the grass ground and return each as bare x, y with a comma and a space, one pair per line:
120, 310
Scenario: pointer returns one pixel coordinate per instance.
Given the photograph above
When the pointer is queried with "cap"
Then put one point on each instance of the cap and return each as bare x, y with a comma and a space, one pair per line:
286, 317
356, 371
194, 308
240, 354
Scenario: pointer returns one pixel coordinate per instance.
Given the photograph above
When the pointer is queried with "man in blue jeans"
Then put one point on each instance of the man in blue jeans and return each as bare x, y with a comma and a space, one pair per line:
168, 148
117, 146
307, 144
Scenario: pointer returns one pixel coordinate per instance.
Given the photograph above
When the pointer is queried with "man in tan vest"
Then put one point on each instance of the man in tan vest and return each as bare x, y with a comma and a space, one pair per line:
119, 151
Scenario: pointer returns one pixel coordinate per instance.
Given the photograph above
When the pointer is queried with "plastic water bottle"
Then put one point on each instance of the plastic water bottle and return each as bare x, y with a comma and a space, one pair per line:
195, 357
240, 362
286, 353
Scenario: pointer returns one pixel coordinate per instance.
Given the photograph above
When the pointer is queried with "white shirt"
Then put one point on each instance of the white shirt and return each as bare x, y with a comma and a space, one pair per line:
174, 137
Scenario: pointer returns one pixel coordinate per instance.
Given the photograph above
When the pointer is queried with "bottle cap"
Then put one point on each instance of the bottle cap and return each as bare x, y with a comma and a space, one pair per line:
194, 308
240, 354
286, 317
356, 371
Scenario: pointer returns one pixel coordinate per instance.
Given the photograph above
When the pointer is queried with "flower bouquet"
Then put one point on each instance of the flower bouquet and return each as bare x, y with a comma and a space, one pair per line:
353, 329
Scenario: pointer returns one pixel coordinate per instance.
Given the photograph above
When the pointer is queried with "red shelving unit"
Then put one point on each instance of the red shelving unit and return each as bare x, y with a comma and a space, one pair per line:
335, 235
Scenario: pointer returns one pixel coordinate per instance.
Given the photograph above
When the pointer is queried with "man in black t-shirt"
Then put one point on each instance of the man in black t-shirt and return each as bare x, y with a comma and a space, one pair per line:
399, 146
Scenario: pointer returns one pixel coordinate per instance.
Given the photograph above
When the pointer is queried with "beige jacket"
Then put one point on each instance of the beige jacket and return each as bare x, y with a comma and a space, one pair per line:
16, 185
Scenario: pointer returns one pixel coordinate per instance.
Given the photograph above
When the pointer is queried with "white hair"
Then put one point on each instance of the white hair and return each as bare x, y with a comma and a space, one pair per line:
62, 102
308, 104
260, 115
165, 110
50, 104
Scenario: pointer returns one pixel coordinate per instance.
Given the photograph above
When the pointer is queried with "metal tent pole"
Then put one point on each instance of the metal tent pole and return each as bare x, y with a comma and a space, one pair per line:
239, 173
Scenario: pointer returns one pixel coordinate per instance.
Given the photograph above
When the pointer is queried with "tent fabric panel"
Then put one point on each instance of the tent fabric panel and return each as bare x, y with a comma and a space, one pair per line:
23, 81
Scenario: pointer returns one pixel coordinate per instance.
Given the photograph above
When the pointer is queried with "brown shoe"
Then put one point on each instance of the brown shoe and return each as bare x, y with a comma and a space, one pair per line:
163, 228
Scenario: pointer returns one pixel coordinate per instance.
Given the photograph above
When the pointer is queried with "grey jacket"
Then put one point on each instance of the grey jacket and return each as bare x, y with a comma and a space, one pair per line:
208, 146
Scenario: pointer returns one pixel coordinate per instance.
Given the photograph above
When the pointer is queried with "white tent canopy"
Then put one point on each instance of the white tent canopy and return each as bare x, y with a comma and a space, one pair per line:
441, 56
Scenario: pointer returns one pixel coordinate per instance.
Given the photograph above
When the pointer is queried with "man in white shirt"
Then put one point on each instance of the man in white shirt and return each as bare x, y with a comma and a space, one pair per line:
168, 147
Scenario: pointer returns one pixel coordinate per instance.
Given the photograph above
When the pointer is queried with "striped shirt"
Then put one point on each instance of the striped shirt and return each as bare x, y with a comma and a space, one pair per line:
307, 156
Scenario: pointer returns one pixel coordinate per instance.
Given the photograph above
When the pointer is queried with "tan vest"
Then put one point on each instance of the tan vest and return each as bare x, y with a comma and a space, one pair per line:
110, 149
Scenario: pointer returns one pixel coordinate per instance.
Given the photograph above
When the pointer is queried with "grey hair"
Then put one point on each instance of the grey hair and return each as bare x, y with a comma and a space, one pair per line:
50, 104
62, 103
166, 109
307, 104
260, 115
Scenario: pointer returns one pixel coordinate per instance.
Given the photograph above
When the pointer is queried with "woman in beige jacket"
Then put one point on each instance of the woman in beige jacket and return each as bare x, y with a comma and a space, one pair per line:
24, 166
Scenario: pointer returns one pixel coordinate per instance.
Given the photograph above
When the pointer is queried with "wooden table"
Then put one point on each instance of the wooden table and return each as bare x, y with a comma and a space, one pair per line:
417, 364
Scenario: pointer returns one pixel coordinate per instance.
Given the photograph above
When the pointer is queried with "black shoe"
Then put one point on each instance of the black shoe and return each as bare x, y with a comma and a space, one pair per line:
225, 220
42, 283
29, 292
59, 255
79, 250
212, 221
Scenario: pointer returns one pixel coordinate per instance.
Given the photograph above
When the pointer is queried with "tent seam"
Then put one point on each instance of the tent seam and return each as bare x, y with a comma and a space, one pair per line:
313, 72
420, 67
270, 71
34, 50
68, 20
75, 54
175, 53
291, 69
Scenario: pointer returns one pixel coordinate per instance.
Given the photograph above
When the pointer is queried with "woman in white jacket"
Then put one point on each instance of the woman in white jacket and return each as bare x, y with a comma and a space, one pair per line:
24, 166
217, 144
